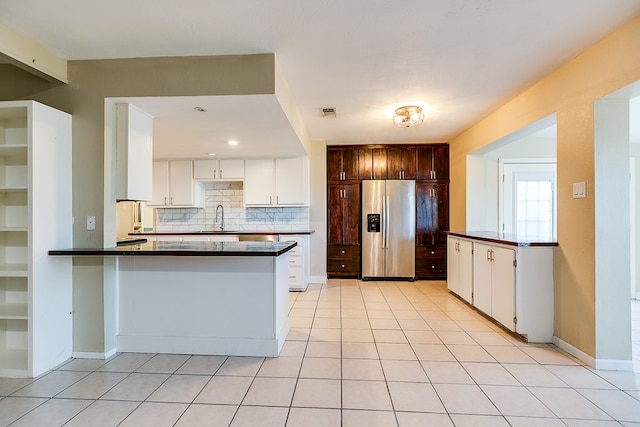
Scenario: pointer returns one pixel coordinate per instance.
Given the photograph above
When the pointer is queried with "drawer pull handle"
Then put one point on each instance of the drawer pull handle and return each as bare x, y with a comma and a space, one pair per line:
433, 266
342, 251
342, 266
433, 252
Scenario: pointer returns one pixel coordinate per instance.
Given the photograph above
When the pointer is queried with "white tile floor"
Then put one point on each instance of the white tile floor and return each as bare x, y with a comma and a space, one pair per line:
359, 354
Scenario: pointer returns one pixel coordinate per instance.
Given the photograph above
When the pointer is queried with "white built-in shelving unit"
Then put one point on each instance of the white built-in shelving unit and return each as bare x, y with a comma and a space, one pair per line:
35, 216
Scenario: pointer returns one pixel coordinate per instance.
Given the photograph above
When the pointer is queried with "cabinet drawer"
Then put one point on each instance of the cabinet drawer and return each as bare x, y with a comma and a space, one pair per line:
343, 266
431, 252
295, 261
431, 270
343, 252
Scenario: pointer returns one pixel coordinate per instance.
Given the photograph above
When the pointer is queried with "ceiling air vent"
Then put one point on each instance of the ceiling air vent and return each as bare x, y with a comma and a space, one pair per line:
328, 111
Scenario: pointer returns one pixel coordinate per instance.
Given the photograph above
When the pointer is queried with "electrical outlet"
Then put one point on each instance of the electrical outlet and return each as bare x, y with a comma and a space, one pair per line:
91, 223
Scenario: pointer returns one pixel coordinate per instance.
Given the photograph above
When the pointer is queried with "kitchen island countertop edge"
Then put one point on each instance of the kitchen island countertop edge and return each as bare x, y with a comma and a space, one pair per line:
170, 248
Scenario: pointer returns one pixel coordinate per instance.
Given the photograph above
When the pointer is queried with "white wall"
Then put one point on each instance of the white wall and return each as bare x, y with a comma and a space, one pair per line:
635, 158
483, 176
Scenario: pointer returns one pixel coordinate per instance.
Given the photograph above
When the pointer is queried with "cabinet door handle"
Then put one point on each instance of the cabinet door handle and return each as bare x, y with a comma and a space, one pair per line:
277, 200
488, 254
344, 175
165, 201
270, 200
220, 173
214, 174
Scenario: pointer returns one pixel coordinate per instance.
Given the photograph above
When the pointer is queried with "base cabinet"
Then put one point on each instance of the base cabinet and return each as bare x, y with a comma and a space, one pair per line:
460, 268
495, 283
343, 260
298, 261
511, 284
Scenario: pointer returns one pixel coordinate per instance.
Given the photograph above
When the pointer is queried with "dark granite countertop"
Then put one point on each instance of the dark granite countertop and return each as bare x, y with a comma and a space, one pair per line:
504, 238
163, 248
229, 232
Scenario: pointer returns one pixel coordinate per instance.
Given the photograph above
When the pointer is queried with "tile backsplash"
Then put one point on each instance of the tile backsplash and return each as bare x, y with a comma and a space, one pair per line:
236, 216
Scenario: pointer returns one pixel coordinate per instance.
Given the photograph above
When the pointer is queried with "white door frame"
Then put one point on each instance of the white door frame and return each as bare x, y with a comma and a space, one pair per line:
503, 187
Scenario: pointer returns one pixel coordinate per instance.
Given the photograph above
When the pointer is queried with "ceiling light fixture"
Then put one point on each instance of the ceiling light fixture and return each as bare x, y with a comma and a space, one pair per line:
211, 154
232, 142
408, 116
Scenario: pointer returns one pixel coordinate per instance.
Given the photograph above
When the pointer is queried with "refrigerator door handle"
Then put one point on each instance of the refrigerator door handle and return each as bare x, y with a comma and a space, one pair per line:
385, 219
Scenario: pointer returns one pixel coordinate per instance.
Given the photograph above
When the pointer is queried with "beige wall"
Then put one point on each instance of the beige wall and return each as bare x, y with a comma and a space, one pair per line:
570, 92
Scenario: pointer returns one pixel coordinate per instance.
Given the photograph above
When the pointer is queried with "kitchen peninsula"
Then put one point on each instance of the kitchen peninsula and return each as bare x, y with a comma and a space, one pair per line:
228, 298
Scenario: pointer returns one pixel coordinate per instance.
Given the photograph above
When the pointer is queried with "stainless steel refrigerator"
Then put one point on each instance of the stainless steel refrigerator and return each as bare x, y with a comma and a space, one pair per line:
388, 229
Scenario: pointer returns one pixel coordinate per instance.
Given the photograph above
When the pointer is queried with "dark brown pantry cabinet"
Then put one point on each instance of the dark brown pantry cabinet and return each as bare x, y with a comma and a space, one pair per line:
432, 220
343, 230
348, 166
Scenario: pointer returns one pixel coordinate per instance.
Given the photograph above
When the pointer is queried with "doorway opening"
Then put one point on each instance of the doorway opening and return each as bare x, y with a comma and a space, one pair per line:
616, 142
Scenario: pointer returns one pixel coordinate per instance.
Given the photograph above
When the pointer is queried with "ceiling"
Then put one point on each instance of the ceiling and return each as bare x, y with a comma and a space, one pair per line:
459, 59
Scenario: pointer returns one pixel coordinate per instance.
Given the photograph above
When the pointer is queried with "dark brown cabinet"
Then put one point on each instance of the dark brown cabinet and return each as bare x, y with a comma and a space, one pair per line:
401, 163
348, 166
372, 163
342, 164
343, 230
433, 162
432, 221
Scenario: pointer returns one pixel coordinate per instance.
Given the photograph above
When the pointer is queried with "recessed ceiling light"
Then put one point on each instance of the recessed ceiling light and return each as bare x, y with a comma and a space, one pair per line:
211, 154
232, 142
200, 109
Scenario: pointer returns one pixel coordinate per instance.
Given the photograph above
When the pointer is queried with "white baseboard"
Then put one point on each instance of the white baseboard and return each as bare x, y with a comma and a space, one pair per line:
575, 352
318, 279
93, 355
614, 365
600, 364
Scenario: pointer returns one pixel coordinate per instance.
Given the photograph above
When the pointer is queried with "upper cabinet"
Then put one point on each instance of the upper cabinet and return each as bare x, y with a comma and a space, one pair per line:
342, 164
433, 162
401, 163
280, 182
134, 151
372, 163
174, 186
218, 170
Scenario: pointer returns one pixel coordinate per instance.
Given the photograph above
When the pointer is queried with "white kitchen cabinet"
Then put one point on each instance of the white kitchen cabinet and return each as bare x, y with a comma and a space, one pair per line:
512, 281
495, 282
460, 267
174, 186
134, 151
280, 182
259, 183
292, 182
218, 170
298, 261
35, 216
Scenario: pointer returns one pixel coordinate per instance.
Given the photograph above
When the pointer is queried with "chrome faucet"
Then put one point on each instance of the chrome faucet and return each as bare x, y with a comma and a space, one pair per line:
220, 209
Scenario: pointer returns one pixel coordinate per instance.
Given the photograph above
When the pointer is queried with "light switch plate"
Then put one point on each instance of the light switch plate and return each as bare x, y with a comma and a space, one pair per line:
579, 190
91, 223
